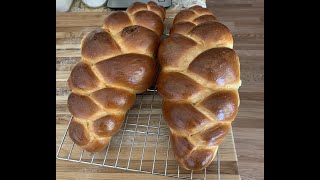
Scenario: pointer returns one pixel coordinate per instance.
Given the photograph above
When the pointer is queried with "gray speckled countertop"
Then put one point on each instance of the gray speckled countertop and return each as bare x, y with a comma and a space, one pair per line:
78, 6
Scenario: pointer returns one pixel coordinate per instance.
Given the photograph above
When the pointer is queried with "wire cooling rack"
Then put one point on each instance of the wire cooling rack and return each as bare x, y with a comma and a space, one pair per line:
142, 145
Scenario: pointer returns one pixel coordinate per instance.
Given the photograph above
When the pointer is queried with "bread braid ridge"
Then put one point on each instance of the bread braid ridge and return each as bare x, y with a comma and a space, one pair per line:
117, 62
199, 82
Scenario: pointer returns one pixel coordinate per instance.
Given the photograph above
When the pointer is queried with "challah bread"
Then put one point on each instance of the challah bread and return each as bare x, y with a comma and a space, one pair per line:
199, 81
117, 63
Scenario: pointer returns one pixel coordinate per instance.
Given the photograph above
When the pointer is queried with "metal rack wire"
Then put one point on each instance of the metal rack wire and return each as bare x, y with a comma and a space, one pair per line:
142, 145
142, 134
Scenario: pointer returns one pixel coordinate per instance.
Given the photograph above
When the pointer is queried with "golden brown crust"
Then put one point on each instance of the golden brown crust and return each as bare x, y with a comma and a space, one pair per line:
117, 62
213, 136
182, 28
78, 133
158, 10
98, 45
82, 106
114, 98
222, 104
108, 126
116, 21
183, 117
225, 63
136, 7
133, 71
176, 86
204, 18
200, 10
172, 50
81, 135
198, 159
83, 78
97, 145
138, 39
212, 34
199, 82
180, 145
149, 20
184, 15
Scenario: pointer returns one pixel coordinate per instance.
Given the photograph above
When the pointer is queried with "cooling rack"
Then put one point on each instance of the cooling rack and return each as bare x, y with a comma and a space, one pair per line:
143, 143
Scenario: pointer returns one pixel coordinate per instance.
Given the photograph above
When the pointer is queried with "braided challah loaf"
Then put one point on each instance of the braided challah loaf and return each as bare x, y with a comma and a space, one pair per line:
199, 81
117, 63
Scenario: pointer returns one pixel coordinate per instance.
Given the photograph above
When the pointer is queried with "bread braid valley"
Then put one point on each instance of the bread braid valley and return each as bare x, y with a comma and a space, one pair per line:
199, 81
117, 62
